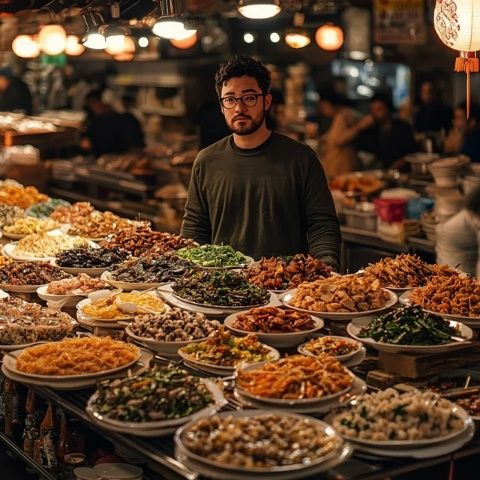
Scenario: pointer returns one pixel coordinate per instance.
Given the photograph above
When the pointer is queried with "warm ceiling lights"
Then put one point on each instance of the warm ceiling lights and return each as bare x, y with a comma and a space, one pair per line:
297, 36
115, 33
52, 39
259, 9
74, 48
329, 37
93, 38
169, 25
25, 46
185, 43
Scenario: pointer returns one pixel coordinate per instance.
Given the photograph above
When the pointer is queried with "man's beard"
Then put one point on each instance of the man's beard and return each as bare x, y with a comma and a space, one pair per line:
247, 129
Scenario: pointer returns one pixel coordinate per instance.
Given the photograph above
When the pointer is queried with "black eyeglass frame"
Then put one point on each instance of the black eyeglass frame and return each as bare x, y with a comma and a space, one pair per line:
256, 95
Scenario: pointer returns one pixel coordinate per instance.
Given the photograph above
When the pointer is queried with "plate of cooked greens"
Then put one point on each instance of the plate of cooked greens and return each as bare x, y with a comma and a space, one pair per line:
214, 256
410, 329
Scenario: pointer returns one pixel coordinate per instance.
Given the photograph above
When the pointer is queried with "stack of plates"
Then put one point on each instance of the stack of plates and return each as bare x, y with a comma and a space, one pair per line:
429, 224
218, 470
156, 428
429, 448
71, 382
446, 171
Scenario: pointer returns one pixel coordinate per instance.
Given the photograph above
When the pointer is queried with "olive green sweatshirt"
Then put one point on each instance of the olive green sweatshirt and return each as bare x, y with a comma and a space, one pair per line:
269, 201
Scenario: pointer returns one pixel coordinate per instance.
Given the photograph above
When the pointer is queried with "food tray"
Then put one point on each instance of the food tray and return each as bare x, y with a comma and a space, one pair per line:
341, 358
20, 288
107, 277
291, 339
93, 272
356, 326
340, 316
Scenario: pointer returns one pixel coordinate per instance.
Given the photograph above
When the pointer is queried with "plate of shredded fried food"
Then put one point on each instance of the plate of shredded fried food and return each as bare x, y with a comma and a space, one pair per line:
278, 327
453, 298
340, 298
297, 379
406, 271
85, 357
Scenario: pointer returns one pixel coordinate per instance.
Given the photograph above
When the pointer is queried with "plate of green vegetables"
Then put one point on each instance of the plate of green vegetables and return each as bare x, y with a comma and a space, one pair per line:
410, 329
214, 256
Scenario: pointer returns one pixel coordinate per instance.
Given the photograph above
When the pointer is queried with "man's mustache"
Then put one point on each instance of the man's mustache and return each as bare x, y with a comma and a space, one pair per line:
241, 117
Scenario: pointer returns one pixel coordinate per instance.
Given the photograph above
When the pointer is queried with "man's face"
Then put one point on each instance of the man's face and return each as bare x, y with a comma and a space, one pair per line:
379, 111
427, 94
241, 119
326, 108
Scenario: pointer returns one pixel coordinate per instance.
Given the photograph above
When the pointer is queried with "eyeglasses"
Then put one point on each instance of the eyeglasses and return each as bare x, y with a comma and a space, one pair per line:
248, 100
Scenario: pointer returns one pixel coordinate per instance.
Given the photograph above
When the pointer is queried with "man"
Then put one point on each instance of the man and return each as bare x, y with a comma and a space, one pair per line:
14, 93
388, 138
432, 114
256, 190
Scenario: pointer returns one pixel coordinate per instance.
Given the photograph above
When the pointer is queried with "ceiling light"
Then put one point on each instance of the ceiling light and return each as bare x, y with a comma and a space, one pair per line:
74, 48
52, 39
143, 42
274, 37
297, 36
259, 9
248, 38
170, 25
93, 38
329, 37
115, 33
25, 46
185, 43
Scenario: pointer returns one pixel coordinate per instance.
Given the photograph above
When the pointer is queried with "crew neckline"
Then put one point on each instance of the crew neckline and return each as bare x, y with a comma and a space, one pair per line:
250, 151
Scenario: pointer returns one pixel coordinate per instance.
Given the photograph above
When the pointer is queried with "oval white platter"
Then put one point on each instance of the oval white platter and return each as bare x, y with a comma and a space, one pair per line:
356, 326
340, 316
291, 339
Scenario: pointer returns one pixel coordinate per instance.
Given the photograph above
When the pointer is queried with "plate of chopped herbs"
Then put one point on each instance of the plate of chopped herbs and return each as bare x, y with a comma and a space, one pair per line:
214, 256
410, 329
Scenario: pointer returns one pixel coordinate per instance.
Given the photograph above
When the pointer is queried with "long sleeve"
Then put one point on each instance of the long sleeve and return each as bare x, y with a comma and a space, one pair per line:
323, 228
346, 130
196, 220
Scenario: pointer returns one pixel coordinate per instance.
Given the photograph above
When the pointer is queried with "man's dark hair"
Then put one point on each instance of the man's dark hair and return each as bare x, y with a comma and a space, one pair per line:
239, 66
385, 99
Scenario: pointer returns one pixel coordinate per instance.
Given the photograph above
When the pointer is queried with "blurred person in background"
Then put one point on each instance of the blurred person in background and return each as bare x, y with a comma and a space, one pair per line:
107, 131
464, 136
337, 151
383, 135
432, 114
14, 93
458, 239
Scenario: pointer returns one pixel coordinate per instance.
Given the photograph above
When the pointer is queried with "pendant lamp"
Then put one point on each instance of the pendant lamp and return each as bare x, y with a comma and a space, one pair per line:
457, 23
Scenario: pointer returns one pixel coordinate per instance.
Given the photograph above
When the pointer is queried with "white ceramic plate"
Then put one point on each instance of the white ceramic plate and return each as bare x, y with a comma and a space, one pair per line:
280, 402
322, 427
118, 471
218, 402
340, 316
79, 384
107, 277
473, 322
9, 251
341, 358
218, 369
354, 328
218, 473
11, 348
89, 323
10, 361
399, 444
158, 346
93, 272
167, 294
320, 408
436, 450
276, 339
72, 299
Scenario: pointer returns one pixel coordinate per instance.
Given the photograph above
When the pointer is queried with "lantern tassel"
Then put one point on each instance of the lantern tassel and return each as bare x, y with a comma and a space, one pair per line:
468, 64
